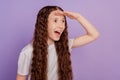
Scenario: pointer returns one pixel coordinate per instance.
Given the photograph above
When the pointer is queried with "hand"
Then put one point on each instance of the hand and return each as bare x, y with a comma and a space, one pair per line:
71, 15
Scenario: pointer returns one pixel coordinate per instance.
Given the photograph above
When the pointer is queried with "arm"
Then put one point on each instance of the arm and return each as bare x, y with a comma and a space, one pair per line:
91, 32
20, 77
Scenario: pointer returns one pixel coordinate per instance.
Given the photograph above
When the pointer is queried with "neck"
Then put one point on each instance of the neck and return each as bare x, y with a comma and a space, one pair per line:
49, 42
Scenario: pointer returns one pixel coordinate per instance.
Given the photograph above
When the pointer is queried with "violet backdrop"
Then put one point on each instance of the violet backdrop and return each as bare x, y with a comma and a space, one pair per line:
99, 60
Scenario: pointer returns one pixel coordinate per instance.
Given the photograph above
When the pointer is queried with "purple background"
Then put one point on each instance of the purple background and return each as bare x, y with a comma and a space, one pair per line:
99, 60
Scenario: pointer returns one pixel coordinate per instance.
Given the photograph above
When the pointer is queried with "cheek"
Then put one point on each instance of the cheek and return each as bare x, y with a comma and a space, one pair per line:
50, 29
64, 26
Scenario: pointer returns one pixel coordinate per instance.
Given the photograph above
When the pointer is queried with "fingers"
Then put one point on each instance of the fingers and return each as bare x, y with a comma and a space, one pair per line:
65, 13
68, 14
58, 12
71, 15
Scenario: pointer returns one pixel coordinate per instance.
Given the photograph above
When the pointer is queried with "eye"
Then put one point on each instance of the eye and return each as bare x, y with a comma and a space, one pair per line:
55, 20
63, 21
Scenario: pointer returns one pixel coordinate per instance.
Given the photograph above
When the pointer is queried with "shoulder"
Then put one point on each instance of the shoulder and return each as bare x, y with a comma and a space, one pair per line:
24, 60
70, 40
70, 44
27, 50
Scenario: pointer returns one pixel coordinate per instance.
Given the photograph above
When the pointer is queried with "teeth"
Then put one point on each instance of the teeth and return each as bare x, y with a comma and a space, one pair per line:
59, 31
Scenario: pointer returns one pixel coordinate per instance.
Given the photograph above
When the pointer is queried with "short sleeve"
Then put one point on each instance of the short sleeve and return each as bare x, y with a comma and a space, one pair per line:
70, 43
24, 61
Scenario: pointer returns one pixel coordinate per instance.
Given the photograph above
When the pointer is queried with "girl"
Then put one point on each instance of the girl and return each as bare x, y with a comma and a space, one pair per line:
47, 57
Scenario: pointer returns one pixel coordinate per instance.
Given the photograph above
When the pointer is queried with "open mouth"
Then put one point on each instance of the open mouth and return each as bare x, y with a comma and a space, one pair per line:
58, 32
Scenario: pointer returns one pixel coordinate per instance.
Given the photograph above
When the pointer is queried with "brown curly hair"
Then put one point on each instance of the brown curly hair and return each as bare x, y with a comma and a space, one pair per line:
39, 61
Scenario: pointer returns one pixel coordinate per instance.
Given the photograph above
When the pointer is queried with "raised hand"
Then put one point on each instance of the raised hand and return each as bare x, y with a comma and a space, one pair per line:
71, 15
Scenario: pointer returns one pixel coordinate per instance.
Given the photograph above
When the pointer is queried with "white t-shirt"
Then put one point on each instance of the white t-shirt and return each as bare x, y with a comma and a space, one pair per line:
25, 58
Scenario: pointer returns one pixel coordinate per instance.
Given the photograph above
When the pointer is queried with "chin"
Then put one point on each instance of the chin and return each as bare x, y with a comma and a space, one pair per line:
57, 39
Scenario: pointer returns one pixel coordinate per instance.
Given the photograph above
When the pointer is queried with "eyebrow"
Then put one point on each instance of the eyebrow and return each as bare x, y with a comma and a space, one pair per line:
57, 18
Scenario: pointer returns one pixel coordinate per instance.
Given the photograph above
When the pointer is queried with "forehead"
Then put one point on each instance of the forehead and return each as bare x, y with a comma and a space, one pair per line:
54, 14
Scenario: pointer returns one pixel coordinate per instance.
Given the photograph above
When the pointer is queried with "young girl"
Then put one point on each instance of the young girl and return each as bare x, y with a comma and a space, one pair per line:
47, 57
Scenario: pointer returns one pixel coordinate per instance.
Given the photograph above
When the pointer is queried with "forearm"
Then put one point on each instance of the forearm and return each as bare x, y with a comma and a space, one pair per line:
90, 29
20, 77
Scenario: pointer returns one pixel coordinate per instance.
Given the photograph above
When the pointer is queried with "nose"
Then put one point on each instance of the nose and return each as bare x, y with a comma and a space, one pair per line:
61, 25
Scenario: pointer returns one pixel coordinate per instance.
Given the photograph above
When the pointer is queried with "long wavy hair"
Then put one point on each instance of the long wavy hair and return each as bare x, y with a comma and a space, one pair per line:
40, 49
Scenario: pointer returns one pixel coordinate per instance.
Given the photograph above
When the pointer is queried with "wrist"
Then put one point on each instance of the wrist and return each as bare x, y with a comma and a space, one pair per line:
78, 17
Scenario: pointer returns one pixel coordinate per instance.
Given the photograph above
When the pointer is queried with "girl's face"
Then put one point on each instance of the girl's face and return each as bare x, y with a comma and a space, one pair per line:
56, 25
